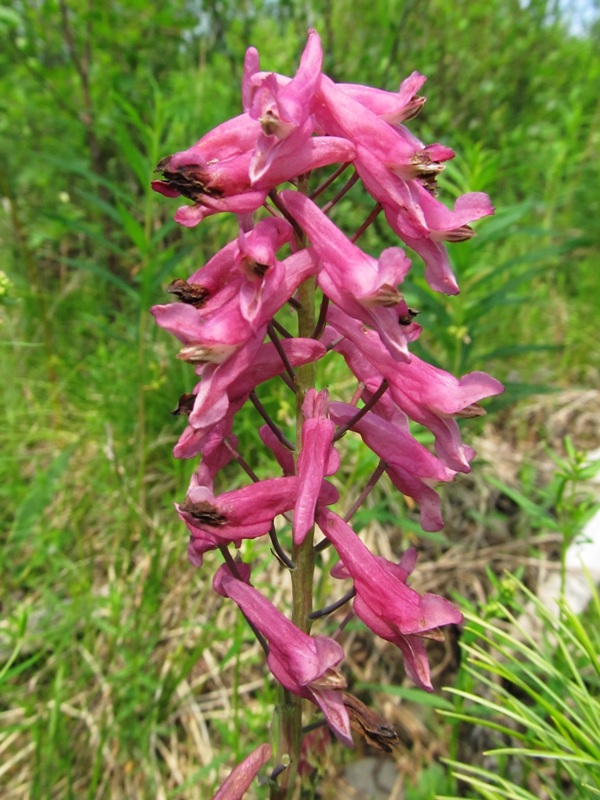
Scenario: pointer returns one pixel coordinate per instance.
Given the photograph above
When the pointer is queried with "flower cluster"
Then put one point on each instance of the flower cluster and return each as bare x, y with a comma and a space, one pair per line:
289, 253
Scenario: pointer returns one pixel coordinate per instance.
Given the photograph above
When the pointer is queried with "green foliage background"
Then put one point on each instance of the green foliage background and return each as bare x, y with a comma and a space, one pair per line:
93, 95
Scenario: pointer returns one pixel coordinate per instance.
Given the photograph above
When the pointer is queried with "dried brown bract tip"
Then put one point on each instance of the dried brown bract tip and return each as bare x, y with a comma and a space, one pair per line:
185, 404
204, 512
373, 728
193, 294
406, 319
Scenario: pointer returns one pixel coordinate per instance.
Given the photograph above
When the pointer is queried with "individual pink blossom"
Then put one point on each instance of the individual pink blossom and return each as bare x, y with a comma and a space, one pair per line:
427, 394
213, 336
282, 109
317, 458
395, 146
286, 146
206, 342
392, 107
258, 247
234, 287
363, 287
224, 388
304, 665
411, 467
419, 219
249, 257
384, 602
325, 494
399, 171
233, 516
243, 266
229, 140
238, 782
213, 173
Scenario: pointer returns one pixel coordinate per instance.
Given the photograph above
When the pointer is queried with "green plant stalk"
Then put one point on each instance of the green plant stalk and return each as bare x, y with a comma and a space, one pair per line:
290, 705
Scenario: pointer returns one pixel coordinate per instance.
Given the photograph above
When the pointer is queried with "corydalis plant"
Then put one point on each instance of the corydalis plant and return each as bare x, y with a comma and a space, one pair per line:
289, 253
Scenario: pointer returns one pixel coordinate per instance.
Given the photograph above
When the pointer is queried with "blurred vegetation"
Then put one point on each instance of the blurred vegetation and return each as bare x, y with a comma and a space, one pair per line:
101, 611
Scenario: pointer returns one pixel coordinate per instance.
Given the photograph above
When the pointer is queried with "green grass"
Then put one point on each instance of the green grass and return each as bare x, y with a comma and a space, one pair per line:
538, 696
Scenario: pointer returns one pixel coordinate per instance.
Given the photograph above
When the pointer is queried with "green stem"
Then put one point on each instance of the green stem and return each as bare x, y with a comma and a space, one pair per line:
290, 705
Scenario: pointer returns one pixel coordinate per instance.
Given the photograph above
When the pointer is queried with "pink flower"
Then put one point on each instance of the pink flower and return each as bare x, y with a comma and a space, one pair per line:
326, 493
317, 458
399, 171
411, 467
392, 107
214, 172
241, 514
224, 388
341, 115
234, 281
363, 287
282, 107
212, 333
305, 665
419, 219
286, 147
383, 600
238, 782
428, 395
393, 147
245, 259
